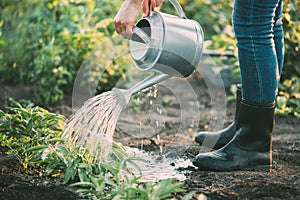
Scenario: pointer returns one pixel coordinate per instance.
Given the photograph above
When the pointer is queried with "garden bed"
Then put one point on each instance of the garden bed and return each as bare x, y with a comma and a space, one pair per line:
281, 182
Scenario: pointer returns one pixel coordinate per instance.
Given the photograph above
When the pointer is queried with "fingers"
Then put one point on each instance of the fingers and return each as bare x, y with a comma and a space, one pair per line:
154, 3
123, 27
122, 24
145, 6
118, 26
126, 16
128, 30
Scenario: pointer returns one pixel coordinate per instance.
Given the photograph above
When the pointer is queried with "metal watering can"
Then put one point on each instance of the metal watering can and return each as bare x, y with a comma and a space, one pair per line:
165, 44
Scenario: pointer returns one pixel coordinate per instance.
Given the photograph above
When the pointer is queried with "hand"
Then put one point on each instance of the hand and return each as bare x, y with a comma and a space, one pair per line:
146, 8
126, 16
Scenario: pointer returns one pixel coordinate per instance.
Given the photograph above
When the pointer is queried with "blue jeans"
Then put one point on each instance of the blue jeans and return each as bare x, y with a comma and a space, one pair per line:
258, 29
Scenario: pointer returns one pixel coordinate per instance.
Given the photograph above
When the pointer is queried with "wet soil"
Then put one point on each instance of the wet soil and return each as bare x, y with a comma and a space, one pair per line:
281, 181
168, 132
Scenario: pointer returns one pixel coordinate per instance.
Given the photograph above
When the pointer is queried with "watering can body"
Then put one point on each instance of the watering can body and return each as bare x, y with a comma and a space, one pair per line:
167, 44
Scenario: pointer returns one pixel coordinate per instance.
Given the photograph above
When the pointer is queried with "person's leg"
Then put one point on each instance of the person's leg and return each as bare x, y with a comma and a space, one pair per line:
227, 134
278, 37
254, 28
260, 57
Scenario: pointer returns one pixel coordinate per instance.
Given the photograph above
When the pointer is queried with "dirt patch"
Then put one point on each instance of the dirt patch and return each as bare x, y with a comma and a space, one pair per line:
18, 184
280, 182
169, 131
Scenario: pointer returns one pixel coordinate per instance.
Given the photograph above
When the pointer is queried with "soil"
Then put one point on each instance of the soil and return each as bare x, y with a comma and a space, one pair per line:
170, 134
18, 184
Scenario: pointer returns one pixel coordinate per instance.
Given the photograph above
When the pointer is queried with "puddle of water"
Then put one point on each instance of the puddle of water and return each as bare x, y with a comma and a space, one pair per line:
158, 167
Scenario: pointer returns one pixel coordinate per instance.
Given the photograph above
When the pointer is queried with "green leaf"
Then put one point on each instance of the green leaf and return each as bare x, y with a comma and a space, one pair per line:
63, 149
82, 184
69, 175
88, 191
141, 192
131, 161
189, 196
56, 140
36, 148
110, 168
281, 101
164, 188
83, 175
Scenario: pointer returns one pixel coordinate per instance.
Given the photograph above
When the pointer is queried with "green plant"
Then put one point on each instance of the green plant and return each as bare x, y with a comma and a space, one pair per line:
34, 135
288, 99
115, 177
291, 28
74, 163
25, 127
110, 179
131, 188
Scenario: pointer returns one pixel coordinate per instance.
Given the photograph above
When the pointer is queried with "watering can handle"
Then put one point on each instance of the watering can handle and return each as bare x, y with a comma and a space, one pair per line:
145, 38
178, 8
176, 5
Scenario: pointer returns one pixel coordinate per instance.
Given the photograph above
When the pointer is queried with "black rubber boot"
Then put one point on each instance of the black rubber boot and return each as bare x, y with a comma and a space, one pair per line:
251, 145
225, 135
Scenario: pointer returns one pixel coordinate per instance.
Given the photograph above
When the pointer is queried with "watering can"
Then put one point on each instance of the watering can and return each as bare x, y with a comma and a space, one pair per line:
170, 44
165, 44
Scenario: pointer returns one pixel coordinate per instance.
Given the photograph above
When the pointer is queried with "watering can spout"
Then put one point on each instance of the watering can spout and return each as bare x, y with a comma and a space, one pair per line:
151, 80
124, 96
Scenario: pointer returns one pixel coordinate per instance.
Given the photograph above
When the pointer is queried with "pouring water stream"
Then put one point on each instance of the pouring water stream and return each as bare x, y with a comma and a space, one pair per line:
93, 125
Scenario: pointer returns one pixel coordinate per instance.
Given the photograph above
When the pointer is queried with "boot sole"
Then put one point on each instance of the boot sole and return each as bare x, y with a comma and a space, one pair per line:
258, 165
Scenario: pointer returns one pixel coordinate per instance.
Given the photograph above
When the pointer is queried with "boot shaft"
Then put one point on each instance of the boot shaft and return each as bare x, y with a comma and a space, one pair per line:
256, 123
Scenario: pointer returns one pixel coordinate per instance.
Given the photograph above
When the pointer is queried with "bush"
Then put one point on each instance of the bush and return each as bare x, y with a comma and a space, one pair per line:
291, 27
43, 43
26, 126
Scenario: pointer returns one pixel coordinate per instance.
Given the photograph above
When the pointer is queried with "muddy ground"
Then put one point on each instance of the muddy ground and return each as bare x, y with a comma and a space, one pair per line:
281, 181
166, 126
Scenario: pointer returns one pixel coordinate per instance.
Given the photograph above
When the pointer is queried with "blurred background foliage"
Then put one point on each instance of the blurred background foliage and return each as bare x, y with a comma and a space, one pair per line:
43, 43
